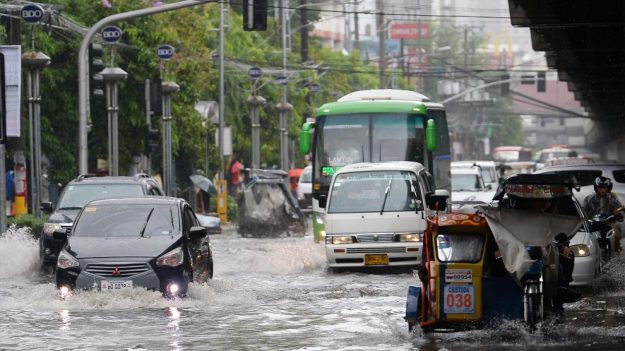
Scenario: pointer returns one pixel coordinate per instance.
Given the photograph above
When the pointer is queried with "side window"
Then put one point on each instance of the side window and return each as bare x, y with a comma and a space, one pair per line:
189, 220
428, 182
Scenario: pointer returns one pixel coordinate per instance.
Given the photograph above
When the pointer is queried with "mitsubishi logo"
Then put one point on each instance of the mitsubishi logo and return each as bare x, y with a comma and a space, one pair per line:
116, 272
375, 238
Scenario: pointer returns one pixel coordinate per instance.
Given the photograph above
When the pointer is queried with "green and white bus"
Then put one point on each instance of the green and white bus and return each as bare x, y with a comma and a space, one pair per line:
375, 126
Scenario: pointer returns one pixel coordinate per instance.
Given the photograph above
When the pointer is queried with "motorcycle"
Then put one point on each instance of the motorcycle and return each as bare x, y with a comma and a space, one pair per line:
602, 224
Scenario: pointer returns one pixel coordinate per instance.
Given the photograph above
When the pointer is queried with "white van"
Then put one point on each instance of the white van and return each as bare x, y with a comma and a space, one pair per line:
375, 214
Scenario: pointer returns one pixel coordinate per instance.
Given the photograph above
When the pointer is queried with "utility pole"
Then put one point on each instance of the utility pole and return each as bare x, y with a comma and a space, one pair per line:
381, 36
284, 107
356, 27
222, 118
303, 32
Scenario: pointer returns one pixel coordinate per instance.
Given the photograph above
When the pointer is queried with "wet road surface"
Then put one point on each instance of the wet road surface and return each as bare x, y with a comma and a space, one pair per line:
271, 294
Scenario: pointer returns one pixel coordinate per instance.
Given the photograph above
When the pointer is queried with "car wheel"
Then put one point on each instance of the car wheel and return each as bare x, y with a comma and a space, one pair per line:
204, 271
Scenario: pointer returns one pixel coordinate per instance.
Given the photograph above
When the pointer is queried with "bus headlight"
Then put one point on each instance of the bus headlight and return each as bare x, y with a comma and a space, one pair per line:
342, 239
580, 250
411, 237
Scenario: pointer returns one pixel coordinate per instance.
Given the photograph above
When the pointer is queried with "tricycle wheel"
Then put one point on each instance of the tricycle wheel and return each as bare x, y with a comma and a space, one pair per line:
533, 312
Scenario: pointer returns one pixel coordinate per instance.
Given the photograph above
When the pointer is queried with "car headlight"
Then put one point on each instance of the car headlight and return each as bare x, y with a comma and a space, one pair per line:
341, 239
300, 196
66, 260
173, 258
49, 228
580, 250
411, 237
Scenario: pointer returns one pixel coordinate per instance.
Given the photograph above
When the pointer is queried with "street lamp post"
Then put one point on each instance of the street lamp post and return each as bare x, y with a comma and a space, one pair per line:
256, 101
168, 89
35, 61
111, 76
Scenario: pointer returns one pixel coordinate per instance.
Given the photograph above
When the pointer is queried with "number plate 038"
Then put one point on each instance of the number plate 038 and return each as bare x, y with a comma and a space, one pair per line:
459, 299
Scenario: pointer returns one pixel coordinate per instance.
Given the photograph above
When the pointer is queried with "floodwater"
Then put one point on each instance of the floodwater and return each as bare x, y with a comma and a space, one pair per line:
270, 294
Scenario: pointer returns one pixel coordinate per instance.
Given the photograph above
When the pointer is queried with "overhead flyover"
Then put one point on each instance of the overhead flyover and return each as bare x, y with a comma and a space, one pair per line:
585, 42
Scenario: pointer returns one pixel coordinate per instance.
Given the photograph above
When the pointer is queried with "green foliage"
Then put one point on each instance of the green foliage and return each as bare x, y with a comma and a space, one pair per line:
35, 224
233, 208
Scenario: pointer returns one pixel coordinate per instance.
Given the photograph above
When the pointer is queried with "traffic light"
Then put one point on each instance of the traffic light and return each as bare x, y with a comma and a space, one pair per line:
541, 86
152, 140
156, 97
96, 65
254, 15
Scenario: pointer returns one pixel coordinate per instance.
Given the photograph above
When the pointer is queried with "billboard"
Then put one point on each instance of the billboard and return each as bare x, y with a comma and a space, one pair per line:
409, 30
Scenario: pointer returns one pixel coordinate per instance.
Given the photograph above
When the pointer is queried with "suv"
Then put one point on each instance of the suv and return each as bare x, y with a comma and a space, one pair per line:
76, 194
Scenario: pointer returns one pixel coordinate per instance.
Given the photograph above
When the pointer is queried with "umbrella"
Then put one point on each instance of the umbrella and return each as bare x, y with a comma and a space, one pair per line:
204, 183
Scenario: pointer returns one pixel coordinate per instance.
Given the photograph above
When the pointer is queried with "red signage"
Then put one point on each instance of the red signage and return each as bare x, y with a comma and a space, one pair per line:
409, 31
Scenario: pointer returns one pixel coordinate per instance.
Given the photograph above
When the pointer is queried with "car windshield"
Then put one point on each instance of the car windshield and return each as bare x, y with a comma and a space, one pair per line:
124, 220
365, 192
77, 195
465, 182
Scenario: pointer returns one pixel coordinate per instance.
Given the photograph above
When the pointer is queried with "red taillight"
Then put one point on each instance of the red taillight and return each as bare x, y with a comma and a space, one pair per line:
339, 250
412, 249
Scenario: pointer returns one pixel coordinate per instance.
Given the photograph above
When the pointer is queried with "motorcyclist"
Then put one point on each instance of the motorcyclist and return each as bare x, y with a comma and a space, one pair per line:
604, 202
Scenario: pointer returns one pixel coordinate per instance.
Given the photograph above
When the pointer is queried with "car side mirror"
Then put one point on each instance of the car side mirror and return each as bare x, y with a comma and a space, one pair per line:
323, 200
437, 200
197, 232
489, 187
60, 234
47, 207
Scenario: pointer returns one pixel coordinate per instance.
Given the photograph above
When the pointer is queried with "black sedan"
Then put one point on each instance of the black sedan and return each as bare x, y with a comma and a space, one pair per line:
149, 242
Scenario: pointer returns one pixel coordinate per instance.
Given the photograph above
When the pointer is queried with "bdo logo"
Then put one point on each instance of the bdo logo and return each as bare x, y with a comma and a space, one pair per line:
32, 13
165, 52
111, 34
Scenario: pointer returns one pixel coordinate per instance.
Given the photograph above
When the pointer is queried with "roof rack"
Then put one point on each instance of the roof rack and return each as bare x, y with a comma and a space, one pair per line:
86, 175
141, 175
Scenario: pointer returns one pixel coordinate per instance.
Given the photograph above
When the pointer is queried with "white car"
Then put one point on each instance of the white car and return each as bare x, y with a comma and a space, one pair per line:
587, 257
304, 190
375, 214
468, 188
585, 175
488, 169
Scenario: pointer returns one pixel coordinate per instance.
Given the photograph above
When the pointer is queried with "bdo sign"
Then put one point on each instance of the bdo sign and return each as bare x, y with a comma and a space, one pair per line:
32, 13
111, 34
165, 52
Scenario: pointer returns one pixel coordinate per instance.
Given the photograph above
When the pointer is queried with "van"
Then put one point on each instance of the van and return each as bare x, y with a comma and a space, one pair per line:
375, 214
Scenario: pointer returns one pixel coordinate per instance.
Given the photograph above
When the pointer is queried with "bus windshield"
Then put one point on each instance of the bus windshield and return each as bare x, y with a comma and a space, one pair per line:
366, 137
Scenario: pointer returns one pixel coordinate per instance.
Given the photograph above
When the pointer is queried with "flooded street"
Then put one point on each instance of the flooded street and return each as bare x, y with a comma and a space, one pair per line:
269, 294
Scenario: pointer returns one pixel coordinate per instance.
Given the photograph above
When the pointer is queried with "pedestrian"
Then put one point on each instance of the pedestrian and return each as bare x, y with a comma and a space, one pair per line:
566, 264
603, 202
233, 170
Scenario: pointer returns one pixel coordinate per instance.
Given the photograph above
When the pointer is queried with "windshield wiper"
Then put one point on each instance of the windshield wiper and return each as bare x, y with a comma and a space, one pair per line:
146, 223
386, 192
71, 208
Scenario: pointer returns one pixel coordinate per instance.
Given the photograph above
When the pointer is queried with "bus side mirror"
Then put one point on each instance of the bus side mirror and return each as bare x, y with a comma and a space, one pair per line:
323, 199
305, 137
437, 200
430, 135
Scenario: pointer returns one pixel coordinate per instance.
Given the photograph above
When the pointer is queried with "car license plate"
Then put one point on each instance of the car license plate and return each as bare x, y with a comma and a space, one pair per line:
115, 285
376, 259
